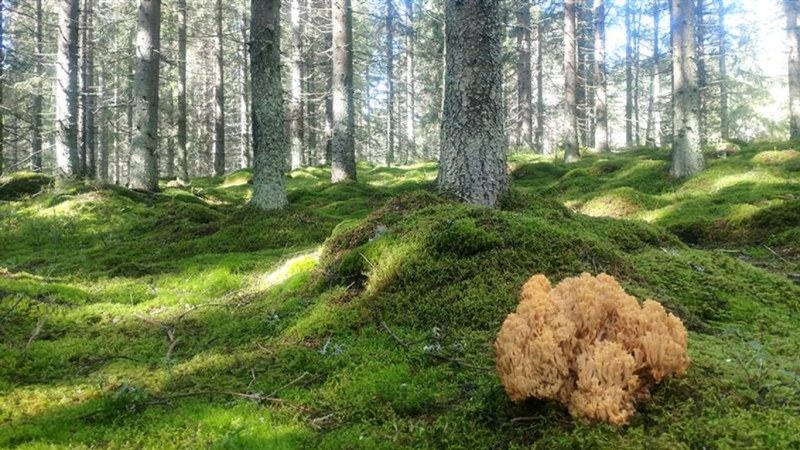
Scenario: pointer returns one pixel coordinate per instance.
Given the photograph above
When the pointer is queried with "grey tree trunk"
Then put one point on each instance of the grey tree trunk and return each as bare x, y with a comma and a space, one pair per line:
472, 158
269, 137
2, 82
601, 88
169, 163
540, 106
410, 132
38, 98
219, 100
343, 156
244, 105
792, 12
653, 136
629, 91
88, 143
687, 155
571, 153
183, 156
105, 127
725, 127
524, 94
389, 83
702, 74
296, 88
144, 143
66, 144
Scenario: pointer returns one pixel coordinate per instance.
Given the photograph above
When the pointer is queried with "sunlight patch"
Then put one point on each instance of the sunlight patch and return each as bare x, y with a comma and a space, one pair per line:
291, 266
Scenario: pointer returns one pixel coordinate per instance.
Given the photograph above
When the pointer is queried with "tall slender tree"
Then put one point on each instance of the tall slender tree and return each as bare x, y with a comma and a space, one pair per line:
629, 81
144, 143
269, 137
472, 161
600, 76
88, 143
725, 127
38, 97
540, 105
183, 153
410, 103
296, 87
687, 155
653, 134
219, 98
343, 156
571, 153
792, 8
390, 127
524, 94
244, 104
67, 90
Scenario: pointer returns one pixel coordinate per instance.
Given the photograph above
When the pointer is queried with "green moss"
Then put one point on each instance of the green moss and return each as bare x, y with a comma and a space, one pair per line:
19, 184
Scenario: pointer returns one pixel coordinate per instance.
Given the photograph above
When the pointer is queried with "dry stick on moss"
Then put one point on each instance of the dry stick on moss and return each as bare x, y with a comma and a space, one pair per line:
434, 355
35, 334
775, 253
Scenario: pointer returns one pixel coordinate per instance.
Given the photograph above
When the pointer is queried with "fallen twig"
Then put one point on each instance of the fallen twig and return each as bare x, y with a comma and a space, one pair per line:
35, 334
776, 254
435, 355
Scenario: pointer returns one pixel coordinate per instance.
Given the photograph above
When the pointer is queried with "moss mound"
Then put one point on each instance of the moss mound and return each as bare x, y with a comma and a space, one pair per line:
19, 184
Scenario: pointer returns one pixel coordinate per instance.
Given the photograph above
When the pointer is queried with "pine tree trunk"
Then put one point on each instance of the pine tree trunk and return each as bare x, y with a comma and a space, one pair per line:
653, 136
269, 136
2, 83
244, 105
389, 83
105, 128
524, 95
183, 156
725, 127
687, 155
38, 97
66, 146
540, 106
296, 88
88, 144
601, 82
472, 161
628, 73
144, 144
343, 157
702, 75
410, 106
571, 153
219, 100
792, 12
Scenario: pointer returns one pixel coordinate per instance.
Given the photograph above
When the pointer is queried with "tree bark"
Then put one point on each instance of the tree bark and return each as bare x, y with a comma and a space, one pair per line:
244, 105
2, 83
628, 73
472, 161
38, 97
571, 153
601, 87
269, 137
524, 94
389, 83
183, 156
792, 12
219, 100
88, 143
296, 87
105, 127
687, 155
725, 127
410, 104
702, 75
343, 157
540, 106
653, 136
66, 144
144, 144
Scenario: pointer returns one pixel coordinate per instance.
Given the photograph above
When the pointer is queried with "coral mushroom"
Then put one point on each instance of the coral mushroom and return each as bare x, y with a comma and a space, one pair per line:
589, 345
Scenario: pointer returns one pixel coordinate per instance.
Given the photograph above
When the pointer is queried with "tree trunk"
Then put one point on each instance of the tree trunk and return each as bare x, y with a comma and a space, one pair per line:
244, 105
410, 132
389, 83
144, 144
2, 81
472, 161
792, 12
67, 90
269, 136
183, 156
38, 97
343, 156
296, 88
219, 100
702, 75
725, 127
653, 136
88, 143
540, 106
687, 155
601, 87
524, 95
628, 73
105, 127
571, 153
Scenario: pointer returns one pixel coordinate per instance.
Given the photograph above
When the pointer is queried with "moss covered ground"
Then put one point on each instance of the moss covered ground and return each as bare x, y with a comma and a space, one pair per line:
363, 315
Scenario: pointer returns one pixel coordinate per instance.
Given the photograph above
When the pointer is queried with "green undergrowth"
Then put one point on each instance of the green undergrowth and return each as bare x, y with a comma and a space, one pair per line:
363, 315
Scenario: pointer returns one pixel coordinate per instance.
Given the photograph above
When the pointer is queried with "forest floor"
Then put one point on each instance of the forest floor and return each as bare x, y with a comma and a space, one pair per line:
363, 315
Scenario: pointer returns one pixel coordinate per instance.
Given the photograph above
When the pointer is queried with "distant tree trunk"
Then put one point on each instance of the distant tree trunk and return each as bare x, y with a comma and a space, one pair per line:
328, 118
38, 98
524, 95
169, 164
725, 127
88, 144
687, 155
296, 85
792, 12
2, 80
600, 95
702, 75
219, 100
653, 136
539, 139
244, 105
269, 136
67, 164
144, 145
389, 83
105, 127
571, 153
183, 155
343, 156
410, 132
629, 73
472, 162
